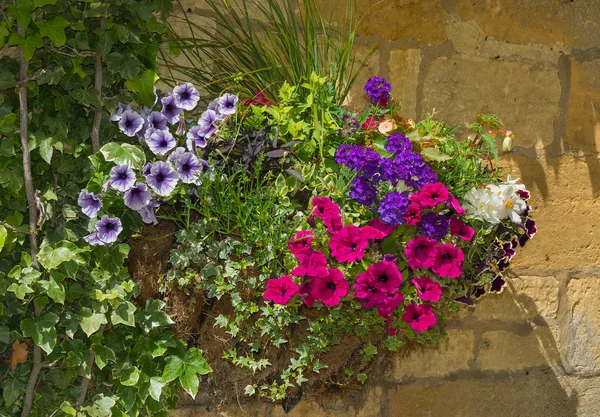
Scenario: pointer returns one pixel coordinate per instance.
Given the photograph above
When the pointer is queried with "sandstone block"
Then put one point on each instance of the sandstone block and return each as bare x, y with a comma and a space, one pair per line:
502, 350
404, 66
444, 359
372, 404
523, 96
357, 99
583, 124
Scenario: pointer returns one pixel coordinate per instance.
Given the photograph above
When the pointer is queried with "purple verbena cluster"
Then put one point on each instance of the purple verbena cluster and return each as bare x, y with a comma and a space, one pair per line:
349, 126
378, 90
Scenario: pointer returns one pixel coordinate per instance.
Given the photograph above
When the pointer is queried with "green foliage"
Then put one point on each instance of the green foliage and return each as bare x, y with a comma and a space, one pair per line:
259, 45
79, 306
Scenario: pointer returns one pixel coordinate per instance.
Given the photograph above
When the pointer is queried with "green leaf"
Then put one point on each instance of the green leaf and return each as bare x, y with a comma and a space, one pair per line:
86, 97
173, 369
27, 45
128, 375
42, 3
126, 65
101, 406
50, 258
143, 85
4, 334
68, 409
435, 155
91, 322
155, 388
56, 291
105, 43
42, 330
104, 355
124, 314
165, 7
46, 150
3, 234
7, 80
195, 362
54, 30
12, 390
189, 382
124, 154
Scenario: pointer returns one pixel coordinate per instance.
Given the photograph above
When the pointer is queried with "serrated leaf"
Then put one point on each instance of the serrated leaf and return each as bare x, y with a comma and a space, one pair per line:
124, 154
54, 30
91, 322
124, 314
143, 85
27, 45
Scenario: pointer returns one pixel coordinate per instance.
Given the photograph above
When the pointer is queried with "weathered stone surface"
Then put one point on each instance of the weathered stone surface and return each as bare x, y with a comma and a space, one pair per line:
587, 391
583, 124
420, 19
580, 329
534, 395
461, 87
357, 99
503, 350
439, 360
372, 405
404, 68
525, 298
536, 21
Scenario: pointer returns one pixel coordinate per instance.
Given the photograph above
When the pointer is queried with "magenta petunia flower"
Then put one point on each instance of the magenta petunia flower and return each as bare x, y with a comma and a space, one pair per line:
421, 252
383, 227
427, 290
313, 264
330, 288
386, 274
121, 177
300, 243
419, 317
348, 245
461, 230
433, 194
280, 290
390, 303
455, 205
333, 222
306, 294
90, 203
185, 96
368, 289
412, 216
448, 261
324, 207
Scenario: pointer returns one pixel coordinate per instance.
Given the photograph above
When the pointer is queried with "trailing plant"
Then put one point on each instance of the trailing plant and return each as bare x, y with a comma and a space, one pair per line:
257, 46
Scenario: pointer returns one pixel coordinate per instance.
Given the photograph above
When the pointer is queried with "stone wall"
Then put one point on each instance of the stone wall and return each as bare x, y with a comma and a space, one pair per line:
534, 350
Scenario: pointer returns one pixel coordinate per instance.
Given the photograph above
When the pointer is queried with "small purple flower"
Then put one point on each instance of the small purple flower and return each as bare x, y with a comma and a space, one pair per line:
130, 123
207, 121
397, 143
119, 112
378, 90
363, 192
187, 165
392, 208
227, 103
162, 178
195, 139
434, 225
92, 239
108, 229
186, 97
170, 109
147, 212
121, 177
137, 197
161, 142
90, 203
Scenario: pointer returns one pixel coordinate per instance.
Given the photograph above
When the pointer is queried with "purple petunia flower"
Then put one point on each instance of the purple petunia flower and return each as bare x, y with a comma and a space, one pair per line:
90, 203
162, 178
188, 165
195, 139
137, 197
157, 120
131, 123
121, 177
207, 121
146, 169
227, 103
147, 212
108, 229
92, 239
170, 109
175, 155
161, 141
186, 97
116, 116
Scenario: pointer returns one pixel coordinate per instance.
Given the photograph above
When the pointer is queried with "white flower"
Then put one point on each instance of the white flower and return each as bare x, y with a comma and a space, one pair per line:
494, 203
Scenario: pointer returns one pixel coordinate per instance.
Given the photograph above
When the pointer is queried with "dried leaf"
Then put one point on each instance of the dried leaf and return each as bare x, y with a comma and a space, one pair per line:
20, 353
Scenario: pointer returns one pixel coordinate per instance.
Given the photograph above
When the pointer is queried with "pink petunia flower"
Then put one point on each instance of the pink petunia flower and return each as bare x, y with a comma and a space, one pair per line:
370, 123
382, 226
331, 288
461, 230
313, 264
455, 205
421, 252
300, 243
448, 261
388, 326
427, 290
390, 303
419, 317
333, 222
349, 244
280, 290
324, 207
433, 194
413, 214
306, 294
368, 289
386, 274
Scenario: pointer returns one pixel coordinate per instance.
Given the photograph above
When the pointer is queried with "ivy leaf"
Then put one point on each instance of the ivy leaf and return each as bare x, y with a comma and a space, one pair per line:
51, 258
12, 178
189, 382
195, 362
143, 85
155, 388
46, 150
104, 355
101, 406
7, 80
124, 154
173, 369
42, 330
56, 291
128, 375
91, 322
126, 65
3, 234
42, 3
124, 314
165, 7
27, 45
22, 12
54, 30
86, 97
105, 43
12, 390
